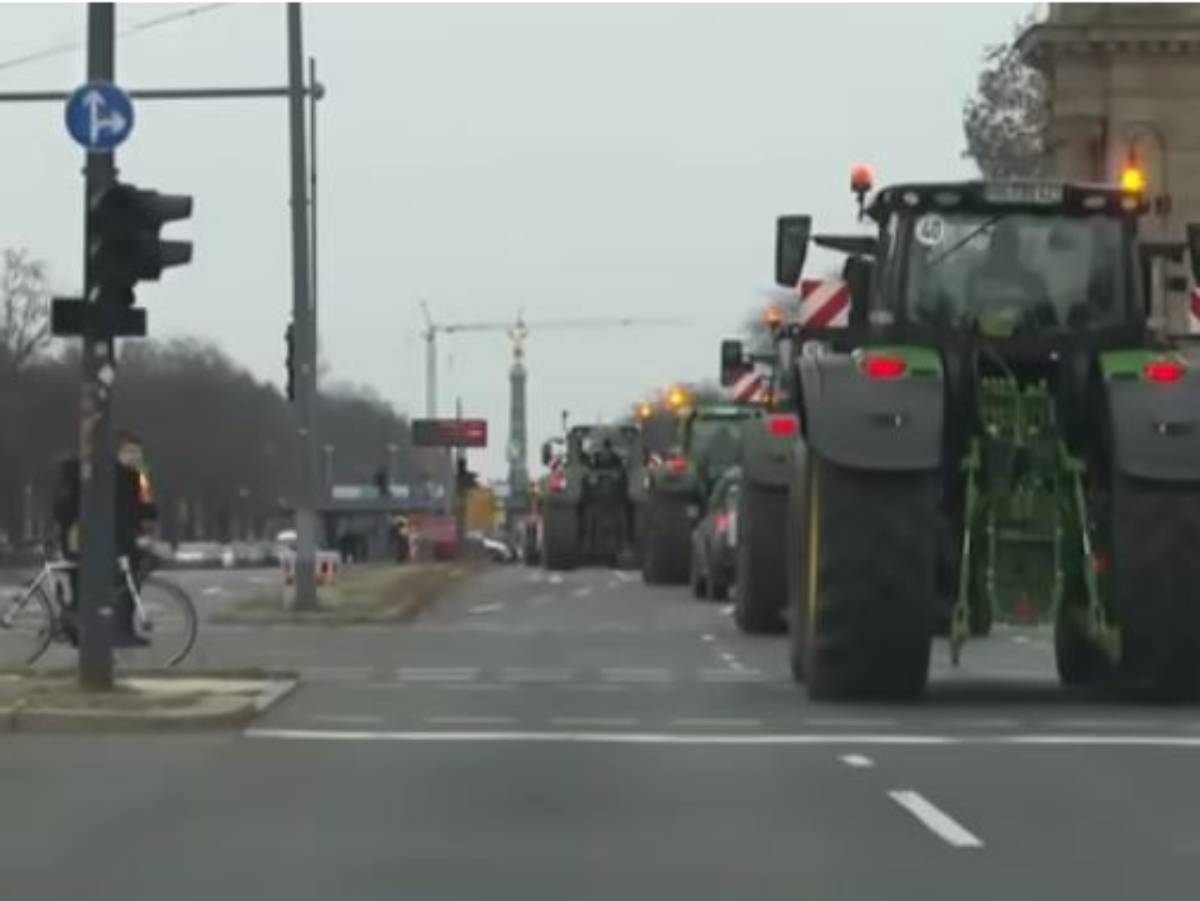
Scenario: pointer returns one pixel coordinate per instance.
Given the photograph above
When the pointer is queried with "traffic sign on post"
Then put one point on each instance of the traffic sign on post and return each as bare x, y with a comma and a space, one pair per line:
449, 432
99, 116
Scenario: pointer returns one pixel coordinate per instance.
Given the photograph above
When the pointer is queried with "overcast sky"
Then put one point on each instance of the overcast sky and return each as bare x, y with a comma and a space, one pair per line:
567, 160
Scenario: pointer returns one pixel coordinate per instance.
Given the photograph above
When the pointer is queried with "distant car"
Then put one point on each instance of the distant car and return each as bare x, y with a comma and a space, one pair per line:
714, 540
198, 554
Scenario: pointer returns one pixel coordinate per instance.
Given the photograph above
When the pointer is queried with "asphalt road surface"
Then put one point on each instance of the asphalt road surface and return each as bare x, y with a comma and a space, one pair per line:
583, 736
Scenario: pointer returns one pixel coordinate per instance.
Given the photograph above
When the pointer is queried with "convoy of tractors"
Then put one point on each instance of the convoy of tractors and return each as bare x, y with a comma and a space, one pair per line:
981, 422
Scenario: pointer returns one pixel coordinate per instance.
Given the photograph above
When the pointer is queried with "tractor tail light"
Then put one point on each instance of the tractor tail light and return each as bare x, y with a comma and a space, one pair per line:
783, 426
721, 522
884, 366
1164, 371
677, 466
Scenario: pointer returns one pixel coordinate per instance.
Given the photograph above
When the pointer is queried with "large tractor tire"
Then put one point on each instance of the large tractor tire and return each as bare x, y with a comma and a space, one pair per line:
560, 538
667, 549
867, 568
1156, 531
761, 560
1078, 661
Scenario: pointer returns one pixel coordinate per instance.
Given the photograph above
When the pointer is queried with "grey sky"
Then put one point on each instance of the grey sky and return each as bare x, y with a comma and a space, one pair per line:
570, 160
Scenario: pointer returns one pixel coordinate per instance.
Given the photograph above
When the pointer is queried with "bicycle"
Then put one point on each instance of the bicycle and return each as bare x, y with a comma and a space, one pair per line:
39, 616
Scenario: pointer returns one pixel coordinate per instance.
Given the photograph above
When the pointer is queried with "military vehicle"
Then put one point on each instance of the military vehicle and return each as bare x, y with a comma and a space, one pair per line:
592, 497
759, 596
999, 417
678, 486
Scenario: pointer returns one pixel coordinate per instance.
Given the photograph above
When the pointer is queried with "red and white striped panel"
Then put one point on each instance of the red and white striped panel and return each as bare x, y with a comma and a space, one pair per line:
824, 303
744, 389
1194, 311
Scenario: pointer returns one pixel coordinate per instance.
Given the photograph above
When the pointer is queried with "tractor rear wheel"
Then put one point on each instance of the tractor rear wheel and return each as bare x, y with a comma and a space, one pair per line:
560, 538
761, 564
1078, 661
868, 580
667, 550
1156, 530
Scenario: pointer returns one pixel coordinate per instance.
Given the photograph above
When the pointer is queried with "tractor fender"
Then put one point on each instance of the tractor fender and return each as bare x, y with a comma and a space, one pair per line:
766, 458
1156, 427
850, 419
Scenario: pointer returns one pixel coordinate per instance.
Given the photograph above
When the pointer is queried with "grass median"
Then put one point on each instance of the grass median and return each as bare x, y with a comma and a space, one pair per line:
384, 593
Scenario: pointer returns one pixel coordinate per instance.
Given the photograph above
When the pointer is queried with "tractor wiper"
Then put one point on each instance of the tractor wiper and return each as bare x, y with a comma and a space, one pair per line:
979, 229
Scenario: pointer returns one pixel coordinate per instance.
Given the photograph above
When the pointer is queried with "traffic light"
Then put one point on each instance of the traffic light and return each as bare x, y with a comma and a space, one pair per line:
125, 247
289, 338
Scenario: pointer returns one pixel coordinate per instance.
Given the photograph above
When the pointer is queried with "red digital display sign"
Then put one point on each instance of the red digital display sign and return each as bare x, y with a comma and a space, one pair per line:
449, 432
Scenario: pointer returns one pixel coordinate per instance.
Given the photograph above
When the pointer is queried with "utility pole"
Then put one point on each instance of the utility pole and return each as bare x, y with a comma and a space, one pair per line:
305, 324
97, 463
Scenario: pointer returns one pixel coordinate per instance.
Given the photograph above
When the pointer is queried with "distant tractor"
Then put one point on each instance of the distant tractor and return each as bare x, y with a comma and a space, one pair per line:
591, 500
997, 435
709, 441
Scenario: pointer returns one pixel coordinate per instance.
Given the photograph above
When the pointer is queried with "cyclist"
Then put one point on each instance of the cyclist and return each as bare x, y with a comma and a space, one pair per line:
134, 511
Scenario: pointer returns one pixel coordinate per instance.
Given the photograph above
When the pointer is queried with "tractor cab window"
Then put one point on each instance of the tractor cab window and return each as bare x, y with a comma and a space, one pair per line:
1016, 273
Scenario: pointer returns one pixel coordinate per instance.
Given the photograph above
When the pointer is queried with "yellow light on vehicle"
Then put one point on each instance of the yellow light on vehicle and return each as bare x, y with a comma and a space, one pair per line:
644, 411
676, 398
1133, 179
773, 316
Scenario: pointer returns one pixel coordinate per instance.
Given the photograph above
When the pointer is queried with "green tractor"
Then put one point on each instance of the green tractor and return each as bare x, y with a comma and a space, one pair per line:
766, 464
996, 436
678, 485
591, 498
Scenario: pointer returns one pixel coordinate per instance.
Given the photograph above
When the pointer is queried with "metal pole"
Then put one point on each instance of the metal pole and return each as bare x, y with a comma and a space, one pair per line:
306, 337
312, 182
250, 93
98, 552
431, 373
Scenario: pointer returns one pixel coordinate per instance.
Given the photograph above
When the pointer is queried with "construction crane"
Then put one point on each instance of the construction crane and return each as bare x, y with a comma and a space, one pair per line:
518, 330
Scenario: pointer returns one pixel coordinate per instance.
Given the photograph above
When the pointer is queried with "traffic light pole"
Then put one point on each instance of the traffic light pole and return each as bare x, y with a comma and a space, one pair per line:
97, 464
304, 318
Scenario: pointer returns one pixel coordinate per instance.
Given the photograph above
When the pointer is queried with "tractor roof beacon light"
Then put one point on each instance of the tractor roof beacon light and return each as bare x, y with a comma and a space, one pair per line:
773, 317
644, 411
862, 179
1133, 179
676, 398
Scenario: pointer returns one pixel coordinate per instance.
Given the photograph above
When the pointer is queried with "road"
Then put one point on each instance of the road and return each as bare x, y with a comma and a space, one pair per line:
583, 736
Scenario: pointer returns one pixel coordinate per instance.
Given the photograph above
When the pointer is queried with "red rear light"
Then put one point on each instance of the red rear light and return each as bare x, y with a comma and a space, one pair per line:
884, 366
677, 465
1164, 371
557, 481
782, 426
721, 522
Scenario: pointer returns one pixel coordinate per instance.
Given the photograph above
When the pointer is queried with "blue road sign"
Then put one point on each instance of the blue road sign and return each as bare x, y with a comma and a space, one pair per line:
99, 115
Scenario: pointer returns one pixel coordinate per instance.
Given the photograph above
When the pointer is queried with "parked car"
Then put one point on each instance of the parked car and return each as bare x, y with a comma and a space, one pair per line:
198, 554
714, 540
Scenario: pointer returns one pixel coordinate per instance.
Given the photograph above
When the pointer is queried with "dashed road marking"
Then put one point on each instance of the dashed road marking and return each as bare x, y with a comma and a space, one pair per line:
214, 591
849, 722
475, 686
537, 576
335, 673
716, 722
857, 761
1103, 724
555, 578
708, 636
598, 722
529, 674
437, 673
469, 720
727, 610
935, 820
635, 674
594, 687
486, 608
744, 674
624, 576
582, 591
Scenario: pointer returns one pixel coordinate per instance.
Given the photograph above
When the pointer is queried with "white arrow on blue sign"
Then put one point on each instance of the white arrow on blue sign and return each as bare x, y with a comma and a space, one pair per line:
99, 115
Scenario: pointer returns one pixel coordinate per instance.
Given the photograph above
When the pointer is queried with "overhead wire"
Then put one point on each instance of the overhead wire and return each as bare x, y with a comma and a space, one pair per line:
136, 28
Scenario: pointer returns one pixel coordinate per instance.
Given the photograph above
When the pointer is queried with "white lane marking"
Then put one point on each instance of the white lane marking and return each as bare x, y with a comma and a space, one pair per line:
474, 686
524, 674
858, 761
1104, 724
840, 722
731, 661
384, 686
595, 721
486, 608
851, 739
469, 720
537, 576
437, 673
624, 576
555, 578
347, 719
727, 610
539, 599
214, 591
582, 591
935, 820
742, 674
715, 722
635, 674
593, 686
614, 585
263, 580
1021, 639
334, 673
708, 636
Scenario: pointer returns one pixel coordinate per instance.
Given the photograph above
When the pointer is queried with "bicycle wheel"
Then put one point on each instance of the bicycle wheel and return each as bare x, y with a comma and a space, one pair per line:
167, 621
26, 626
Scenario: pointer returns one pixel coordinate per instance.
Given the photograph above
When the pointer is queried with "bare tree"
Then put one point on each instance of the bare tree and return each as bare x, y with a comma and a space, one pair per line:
1005, 122
24, 310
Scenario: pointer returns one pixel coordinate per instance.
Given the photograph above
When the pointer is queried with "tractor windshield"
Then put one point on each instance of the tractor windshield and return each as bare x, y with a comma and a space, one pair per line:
1017, 273
719, 437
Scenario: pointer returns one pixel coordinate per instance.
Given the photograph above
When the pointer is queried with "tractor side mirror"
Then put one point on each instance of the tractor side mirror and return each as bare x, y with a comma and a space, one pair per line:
791, 247
858, 273
546, 453
1193, 243
733, 361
